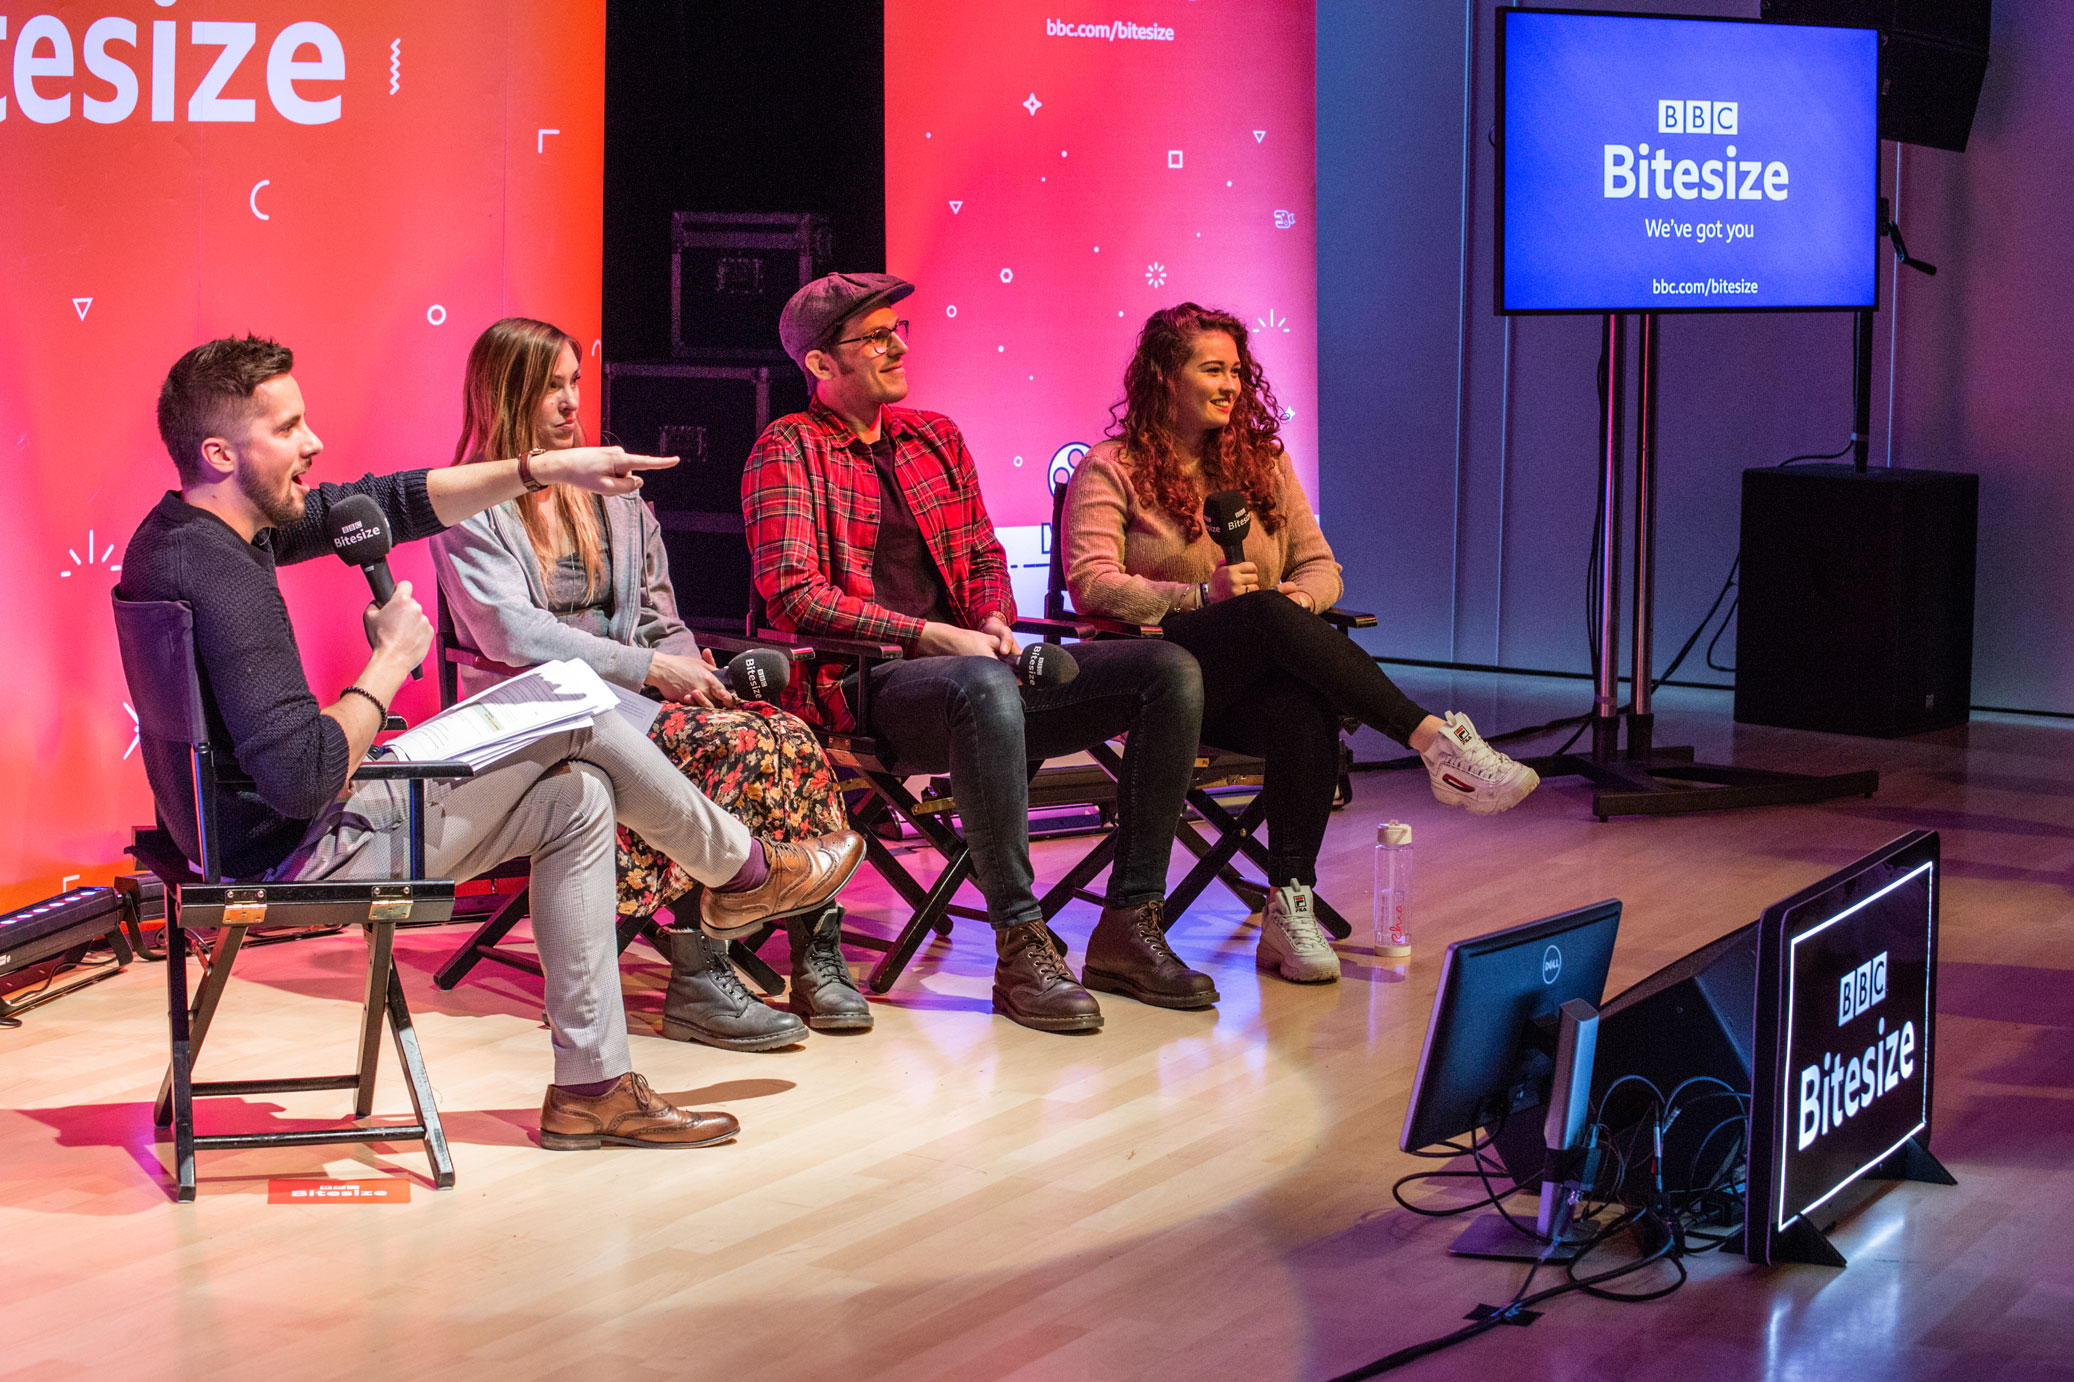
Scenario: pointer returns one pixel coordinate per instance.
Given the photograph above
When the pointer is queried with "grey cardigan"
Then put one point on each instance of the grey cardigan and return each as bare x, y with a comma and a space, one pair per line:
494, 596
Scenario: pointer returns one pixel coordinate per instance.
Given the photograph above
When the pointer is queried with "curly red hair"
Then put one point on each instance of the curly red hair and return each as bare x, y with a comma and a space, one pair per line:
1243, 454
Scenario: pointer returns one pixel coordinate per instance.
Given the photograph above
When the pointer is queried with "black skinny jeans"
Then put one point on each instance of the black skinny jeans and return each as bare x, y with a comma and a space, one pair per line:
1276, 680
969, 715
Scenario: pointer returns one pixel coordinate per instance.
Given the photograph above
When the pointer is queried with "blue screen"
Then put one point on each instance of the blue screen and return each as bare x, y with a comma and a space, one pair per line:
1616, 137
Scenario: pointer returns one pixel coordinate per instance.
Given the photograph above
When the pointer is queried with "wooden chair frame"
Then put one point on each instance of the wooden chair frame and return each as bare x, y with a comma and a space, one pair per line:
159, 663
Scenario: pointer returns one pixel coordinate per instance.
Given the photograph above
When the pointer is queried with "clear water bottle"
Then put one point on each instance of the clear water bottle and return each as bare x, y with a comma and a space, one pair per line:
1393, 889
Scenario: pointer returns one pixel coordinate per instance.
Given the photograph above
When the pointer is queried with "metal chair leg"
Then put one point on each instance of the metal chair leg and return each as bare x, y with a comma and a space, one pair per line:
419, 1083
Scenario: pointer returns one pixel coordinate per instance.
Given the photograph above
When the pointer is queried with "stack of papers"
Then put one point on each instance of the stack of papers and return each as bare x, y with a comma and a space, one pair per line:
492, 724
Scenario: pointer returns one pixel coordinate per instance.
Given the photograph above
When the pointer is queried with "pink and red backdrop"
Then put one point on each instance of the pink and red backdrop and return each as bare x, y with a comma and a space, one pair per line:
1054, 175
174, 173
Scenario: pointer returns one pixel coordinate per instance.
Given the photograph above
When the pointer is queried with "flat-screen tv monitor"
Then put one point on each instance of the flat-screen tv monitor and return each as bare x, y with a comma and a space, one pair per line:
1845, 1030
1489, 1044
1654, 164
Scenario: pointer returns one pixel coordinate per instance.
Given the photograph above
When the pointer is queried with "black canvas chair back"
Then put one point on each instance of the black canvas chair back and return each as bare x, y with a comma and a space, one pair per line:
182, 763
157, 642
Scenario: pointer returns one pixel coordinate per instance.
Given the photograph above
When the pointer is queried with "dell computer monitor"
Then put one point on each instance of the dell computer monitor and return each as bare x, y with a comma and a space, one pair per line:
1488, 1045
1653, 164
1846, 1024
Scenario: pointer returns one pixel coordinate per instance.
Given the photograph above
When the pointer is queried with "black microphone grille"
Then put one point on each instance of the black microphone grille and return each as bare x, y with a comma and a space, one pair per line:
1224, 509
358, 531
1045, 664
760, 674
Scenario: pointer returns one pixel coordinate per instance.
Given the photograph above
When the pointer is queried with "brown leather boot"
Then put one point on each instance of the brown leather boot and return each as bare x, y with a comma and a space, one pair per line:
1033, 986
802, 877
629, 1114
1128, 954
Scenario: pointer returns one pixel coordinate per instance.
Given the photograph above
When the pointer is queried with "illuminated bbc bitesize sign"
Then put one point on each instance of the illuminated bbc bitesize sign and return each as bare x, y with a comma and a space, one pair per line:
1846, 1012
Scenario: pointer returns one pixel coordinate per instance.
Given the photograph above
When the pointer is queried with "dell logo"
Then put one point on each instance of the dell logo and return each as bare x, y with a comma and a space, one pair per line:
1551, 964
1696, 117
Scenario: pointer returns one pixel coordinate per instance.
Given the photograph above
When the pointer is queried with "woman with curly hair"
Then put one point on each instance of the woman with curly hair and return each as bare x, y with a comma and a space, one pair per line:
1197, 418
557, 574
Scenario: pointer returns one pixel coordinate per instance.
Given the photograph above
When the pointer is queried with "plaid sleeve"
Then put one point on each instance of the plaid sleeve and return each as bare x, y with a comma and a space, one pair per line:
989, 591
789, 529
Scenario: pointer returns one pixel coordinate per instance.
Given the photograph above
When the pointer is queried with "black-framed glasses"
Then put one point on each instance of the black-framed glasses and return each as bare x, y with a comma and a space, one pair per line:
880, 341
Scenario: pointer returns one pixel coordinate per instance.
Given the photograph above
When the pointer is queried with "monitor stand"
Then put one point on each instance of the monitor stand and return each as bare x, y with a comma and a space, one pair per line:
1565, 1176
1652, 779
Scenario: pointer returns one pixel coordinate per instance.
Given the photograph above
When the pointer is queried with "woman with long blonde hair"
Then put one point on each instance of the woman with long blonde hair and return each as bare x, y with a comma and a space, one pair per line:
558, 574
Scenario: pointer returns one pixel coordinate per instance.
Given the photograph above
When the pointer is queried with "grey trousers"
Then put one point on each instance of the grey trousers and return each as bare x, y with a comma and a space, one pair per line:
555, 802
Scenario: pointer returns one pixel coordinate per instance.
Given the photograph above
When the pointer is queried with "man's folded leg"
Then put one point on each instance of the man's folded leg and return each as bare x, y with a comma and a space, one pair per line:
559, 816
674, 816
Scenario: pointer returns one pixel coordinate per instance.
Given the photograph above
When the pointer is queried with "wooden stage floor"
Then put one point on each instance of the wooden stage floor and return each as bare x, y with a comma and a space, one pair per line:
1181, 1196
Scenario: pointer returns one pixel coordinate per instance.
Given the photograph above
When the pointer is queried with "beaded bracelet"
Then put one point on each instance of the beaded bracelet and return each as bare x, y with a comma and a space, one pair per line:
369, 697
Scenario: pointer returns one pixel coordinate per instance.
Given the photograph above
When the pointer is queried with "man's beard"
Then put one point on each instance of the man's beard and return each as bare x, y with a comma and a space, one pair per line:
278, 509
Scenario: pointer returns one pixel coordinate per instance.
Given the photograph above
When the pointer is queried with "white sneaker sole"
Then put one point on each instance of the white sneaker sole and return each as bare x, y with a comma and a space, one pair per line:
1476, 804
1323, 972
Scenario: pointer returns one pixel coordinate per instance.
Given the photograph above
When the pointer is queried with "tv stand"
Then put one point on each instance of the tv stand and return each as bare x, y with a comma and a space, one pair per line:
1648, 780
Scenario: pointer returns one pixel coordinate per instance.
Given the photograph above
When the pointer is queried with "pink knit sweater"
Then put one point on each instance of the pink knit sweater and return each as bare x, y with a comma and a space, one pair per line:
1125, 560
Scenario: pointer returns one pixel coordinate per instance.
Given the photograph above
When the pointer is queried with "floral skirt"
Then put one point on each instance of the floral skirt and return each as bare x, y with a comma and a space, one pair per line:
758, 763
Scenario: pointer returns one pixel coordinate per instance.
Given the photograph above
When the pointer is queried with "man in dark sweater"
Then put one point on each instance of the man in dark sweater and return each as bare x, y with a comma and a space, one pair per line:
231, 415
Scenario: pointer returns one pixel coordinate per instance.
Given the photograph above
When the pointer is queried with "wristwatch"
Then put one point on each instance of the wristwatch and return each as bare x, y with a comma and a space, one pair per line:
525, 470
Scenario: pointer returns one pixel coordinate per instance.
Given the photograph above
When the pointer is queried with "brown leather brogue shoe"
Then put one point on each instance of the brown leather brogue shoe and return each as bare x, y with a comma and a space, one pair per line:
629, 1114
1127, 953
1032, 985
802, 877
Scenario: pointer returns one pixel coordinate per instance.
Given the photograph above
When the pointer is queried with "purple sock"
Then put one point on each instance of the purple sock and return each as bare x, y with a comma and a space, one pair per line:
591, 1090
751, 874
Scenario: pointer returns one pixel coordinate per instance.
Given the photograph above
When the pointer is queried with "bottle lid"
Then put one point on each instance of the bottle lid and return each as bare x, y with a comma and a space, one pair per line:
1394, 833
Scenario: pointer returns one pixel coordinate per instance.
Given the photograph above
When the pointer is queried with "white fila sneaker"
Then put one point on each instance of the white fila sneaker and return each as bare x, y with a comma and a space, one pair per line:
1468, 772
1291, 943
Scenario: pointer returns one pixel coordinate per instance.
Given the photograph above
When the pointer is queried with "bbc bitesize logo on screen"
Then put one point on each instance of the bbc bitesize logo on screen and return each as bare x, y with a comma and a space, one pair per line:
1696, 117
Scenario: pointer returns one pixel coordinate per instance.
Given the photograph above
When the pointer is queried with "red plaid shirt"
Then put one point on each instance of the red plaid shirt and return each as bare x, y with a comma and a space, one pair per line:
810, 498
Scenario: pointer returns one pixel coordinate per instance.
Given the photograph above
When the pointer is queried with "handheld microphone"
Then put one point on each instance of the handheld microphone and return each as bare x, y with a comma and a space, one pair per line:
1045, 664
760, 674
360, 535
1227, 519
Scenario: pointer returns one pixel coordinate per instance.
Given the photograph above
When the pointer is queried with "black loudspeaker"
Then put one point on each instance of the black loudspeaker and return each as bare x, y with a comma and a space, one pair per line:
709, 568
1933, 55
1694, 1018
709, 416
1856, 612
731, 274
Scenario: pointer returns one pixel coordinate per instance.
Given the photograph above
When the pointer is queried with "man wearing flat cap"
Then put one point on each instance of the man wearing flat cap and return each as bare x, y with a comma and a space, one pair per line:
865, 521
